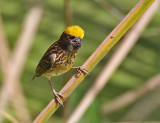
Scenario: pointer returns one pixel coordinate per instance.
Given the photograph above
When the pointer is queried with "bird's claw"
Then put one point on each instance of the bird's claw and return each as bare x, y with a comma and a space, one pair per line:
60, 95
80, 70
58, 99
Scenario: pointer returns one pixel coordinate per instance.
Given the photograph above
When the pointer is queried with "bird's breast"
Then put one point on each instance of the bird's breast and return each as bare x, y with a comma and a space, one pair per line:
62, 64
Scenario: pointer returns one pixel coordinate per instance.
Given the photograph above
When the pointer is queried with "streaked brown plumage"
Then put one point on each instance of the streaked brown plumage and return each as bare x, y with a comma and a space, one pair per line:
55, 61
60, 56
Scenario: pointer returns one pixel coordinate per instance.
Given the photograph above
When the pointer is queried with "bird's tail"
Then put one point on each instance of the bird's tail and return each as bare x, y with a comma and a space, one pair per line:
33, 78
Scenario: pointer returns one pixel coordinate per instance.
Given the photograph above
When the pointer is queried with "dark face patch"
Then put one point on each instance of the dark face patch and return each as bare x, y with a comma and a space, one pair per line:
69, 42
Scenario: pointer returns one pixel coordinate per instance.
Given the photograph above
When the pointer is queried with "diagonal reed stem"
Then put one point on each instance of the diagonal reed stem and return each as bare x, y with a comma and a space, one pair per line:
97, 55
112, 64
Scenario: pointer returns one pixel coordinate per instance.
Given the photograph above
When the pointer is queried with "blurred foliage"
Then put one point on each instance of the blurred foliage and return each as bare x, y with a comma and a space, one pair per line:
142, 62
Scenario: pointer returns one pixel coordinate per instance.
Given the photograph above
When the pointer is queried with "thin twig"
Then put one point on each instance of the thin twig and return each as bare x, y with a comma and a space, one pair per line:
4, 49
68, 13
145, 106
94, 59
16, 64
8, 116
131, 96
18, 102
114, 11
68, 19
4, 52
113, 63
4, 58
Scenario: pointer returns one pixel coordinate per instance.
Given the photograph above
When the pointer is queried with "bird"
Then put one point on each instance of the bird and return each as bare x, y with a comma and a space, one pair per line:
60, 57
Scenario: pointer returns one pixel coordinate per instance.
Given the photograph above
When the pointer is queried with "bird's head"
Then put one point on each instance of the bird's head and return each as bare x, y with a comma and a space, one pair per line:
71, 38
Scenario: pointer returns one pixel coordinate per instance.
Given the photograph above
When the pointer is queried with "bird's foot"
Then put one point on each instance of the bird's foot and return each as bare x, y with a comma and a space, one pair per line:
80, 70
58, 98
57, 95
60, 95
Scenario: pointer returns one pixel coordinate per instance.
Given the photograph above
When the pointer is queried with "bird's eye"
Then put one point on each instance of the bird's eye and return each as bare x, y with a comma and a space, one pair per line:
71, 37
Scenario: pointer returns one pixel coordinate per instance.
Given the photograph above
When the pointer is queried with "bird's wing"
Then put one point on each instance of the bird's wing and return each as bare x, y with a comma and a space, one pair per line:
45, 64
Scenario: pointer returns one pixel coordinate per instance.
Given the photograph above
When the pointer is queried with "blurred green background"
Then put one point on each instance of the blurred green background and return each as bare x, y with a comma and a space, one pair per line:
142, 63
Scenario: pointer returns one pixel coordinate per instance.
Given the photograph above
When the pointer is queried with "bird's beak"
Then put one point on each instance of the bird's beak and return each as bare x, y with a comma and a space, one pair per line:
78, 42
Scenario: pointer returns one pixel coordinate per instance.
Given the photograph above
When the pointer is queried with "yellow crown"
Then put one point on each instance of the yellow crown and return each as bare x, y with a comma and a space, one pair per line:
75, 30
